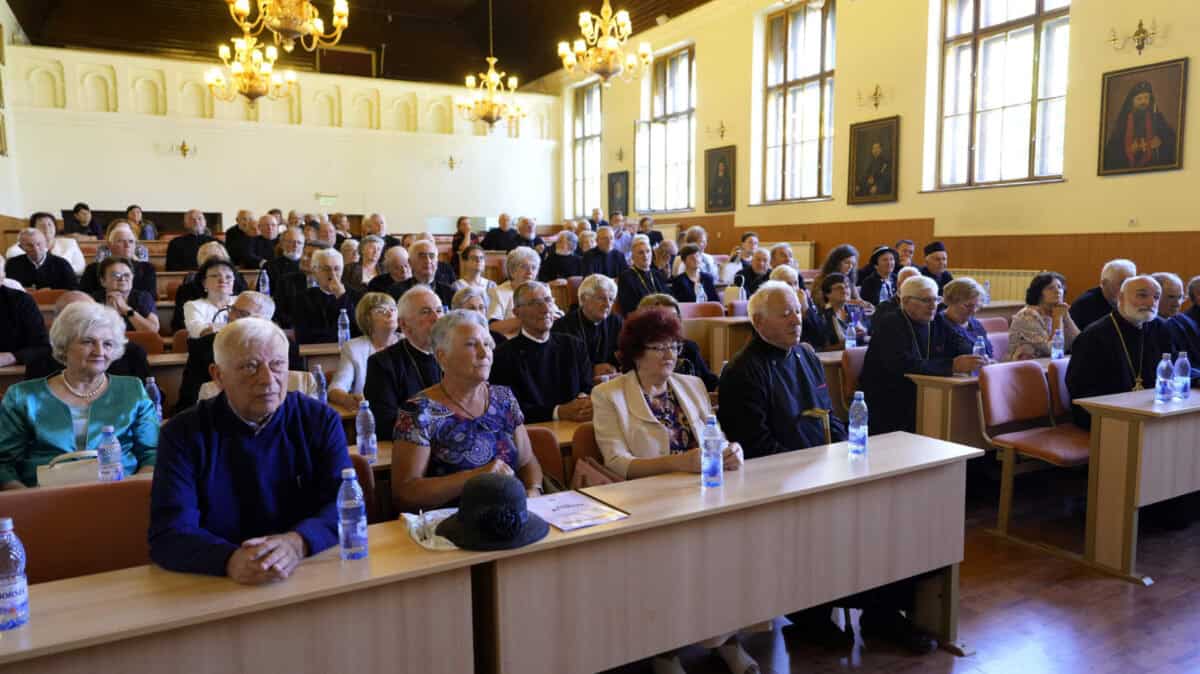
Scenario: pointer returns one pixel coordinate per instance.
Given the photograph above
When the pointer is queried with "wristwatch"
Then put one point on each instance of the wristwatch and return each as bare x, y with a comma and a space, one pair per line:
129, 314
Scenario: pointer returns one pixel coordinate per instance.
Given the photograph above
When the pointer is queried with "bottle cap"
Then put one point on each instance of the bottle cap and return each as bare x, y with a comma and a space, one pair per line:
348, 473
364, 405
149, 381
6, 525
107, 429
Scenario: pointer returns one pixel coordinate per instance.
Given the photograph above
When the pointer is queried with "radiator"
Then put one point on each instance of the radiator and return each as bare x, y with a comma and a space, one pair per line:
1007, 284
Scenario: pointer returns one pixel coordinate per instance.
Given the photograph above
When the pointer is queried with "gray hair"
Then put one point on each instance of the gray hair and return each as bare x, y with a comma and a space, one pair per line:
393, 252
785, 274
83, 318
1167, 276
962, 289
919, 282
520, 255
118, 227
1114, 268
1143, 277
371, 238
587, 234
263, 304
367, 305
582, 222
1193, 289
460, 298
758, 301
907, 271
781, 246
604, 228
421, 243
324, 253
640, 238
349, 244
524, 289
238, 335
210, 249
446, 325
569, 236
30, 231
591, 284
405, 305
694, 233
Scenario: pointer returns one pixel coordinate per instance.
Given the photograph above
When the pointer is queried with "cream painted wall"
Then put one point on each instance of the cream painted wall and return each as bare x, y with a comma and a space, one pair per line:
101, 128
9, 186
885, 42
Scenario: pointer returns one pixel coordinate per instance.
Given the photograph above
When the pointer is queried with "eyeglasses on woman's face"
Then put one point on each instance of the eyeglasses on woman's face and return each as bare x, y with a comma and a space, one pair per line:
671, 348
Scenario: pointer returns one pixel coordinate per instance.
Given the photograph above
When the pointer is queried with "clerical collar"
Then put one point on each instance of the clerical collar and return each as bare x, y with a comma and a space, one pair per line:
416, 348
772, 350
535, 339
38, 264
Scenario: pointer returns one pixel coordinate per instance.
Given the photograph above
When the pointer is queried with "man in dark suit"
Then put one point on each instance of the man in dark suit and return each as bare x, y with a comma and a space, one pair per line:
407, 367
316, 311
38, 268
937, 263
375, 224
597, 220
1096, 303
423, 256
181, 252
25, 338
604, 259
503, 237
396, 269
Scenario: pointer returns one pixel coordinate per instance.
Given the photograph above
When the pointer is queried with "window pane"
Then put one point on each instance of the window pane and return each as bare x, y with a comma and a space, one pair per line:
955, 135
804, 44
827, 144
776, 49
1052, 80
1002, 146
995, 12
804, 135
592, 120
956, 95
658, 178
1052, 124
677, 151
592, 173
774, 169
641, 178
1006, 69
774, 139
831, 37
960, 17
1052, 5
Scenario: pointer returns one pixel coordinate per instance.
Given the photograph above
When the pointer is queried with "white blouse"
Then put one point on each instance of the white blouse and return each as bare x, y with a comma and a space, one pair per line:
199, 314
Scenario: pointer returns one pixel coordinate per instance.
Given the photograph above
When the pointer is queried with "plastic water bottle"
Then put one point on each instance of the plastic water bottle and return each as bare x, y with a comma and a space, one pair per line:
851, 334
1164, 380
343, 327
858, 425
1183, 377
712, 448
987, 292
14, 590
364, 424
155, 396
109, 456
1058, 344
352, 517
264, 283
312, 281
322, 387
980, 349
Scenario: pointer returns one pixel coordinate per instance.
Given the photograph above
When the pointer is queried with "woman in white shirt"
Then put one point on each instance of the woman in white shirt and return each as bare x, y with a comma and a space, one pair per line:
210, 313
376, 316
471, 264
64, 247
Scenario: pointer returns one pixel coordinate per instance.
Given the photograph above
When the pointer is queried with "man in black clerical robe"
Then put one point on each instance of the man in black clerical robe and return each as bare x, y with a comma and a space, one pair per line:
1140, 137
1185, 325
406, 368
604, 259
422, 257
768, 386
316, 310
594, 322
1096, 303
503, 237
182, 250
24, 337
1121, 351
915, 340
937, 260
754, 272
38, 267
641, 279
549, 373
876, 177
200, 351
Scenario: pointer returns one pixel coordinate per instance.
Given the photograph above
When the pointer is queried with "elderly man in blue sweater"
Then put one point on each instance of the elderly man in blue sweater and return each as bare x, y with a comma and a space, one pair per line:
247, 481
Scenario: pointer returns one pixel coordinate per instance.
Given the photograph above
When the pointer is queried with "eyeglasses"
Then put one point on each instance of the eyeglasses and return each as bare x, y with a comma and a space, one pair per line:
673, 348
119, 276
927, 301
383, 311
251, 367
539, 301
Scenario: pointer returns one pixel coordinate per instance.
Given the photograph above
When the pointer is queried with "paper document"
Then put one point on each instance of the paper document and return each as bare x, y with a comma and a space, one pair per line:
571, 510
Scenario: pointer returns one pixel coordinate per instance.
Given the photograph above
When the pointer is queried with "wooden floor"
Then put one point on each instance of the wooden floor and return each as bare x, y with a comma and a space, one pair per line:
1028, 612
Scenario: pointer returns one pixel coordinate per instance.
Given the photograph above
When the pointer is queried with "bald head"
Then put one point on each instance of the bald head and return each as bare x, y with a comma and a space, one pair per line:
1172, 293
68, 298
395, 261
268, 227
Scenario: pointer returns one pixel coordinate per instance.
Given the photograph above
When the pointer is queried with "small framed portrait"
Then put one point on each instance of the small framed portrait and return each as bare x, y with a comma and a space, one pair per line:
2, 38
618, 193
874, 161
720, 164
3, 137
1142, 111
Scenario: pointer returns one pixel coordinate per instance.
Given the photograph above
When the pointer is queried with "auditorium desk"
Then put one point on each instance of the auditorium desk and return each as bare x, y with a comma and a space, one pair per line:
948, 407
719, 338
831, 361
403, 610
1141, 453
787, 532
326, 355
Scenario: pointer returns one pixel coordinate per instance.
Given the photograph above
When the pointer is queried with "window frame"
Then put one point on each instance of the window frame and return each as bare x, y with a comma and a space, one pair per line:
823, 78
580, 119
1037, 20
658, 94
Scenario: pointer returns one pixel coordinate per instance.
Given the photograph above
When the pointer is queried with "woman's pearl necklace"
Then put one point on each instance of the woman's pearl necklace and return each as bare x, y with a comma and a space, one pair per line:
90, 395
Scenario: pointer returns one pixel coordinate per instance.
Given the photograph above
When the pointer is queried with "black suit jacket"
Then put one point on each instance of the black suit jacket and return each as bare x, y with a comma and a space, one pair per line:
24, 334
55, 272
181, 252
556, 266
634, 284
685, 291
596, 261
496, 239
145, 278
316, 313
444, 292
538, 391
393, 376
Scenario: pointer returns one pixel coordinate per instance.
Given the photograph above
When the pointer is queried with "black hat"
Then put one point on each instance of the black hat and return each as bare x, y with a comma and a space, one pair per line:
879, 252
492, 516
935, 247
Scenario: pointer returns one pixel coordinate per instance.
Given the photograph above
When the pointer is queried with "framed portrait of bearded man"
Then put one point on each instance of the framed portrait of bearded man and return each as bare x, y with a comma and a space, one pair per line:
1142, 113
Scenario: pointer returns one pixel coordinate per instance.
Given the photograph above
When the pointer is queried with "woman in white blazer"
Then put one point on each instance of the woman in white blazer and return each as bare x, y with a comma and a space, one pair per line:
377, 317
648, 421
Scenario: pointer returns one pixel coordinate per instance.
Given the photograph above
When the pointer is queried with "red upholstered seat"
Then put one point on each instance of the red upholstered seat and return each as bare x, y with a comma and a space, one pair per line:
852, 365
1060, 397
700, 310
150, 341
994, 324
737, 308
999, 342
548, 453
1063, 446
583, 445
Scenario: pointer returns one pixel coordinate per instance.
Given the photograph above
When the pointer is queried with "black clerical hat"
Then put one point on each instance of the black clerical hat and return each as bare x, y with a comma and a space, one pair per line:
934, 247
878, 252
492, 516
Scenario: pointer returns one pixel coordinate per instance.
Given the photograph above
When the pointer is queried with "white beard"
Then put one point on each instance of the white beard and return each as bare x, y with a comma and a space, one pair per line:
1136, 317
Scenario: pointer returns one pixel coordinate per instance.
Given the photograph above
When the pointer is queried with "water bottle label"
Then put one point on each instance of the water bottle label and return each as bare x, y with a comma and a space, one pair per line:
14, 603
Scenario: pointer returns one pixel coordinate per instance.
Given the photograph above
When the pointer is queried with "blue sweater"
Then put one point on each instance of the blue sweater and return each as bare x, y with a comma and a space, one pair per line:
217, 483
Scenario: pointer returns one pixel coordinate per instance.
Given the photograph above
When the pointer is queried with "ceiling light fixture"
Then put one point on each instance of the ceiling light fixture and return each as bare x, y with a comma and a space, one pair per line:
600, 51
486, 102
291, 21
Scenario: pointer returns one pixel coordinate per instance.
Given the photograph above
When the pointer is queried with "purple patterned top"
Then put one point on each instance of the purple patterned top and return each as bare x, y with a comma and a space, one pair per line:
457, 443
665, 407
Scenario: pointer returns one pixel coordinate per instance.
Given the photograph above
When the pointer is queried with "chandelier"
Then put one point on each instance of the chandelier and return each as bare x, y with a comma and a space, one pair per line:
599, 52
486, 100
292, 20
252, 72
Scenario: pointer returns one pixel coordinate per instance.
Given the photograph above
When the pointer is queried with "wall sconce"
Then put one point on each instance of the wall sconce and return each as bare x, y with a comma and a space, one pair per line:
720, 130
621, 154
183, 149
1141, 37
454, 163
876, 97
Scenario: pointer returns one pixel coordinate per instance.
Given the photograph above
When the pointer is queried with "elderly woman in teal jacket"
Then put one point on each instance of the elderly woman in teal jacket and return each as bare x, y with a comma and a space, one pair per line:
44, 418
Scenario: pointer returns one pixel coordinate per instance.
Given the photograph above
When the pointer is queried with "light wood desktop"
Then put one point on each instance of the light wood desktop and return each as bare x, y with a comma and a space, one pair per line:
948, 407
719, 337
1142, 453
403, 609
787, 532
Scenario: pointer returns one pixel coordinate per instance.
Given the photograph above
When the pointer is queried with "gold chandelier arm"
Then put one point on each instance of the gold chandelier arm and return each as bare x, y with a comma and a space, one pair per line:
310, 42
251, 28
